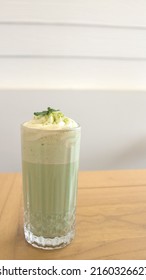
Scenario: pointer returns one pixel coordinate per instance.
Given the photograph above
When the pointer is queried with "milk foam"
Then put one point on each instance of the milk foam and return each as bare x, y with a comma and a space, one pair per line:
50, 146
50, 138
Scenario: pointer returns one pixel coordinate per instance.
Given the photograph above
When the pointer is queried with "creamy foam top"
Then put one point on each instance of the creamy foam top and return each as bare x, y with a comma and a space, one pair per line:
52, 138
50, 119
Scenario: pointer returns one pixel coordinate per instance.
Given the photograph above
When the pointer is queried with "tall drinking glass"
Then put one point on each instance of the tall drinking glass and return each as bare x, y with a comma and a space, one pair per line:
50, 161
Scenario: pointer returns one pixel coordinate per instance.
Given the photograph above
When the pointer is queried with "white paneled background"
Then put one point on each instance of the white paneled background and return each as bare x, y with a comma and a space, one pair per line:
86, 57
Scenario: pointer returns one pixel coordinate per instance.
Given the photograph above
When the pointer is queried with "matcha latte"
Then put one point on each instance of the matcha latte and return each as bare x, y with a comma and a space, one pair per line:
50, 160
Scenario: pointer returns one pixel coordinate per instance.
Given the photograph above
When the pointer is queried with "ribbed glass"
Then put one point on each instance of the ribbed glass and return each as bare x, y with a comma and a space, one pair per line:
50, 161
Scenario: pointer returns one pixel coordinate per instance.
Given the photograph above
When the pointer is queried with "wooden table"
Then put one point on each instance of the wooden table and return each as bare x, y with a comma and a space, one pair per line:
110, 222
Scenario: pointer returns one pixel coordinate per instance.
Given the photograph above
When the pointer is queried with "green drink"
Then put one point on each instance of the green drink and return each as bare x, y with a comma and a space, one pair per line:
50, 160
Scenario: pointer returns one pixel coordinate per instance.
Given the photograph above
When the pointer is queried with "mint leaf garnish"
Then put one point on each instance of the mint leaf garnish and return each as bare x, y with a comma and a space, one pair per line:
44, 113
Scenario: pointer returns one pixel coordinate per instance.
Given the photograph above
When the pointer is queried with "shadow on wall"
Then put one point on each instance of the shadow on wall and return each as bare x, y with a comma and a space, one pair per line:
135, 153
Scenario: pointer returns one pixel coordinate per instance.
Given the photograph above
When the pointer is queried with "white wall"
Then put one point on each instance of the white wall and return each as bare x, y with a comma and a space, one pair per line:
87, 58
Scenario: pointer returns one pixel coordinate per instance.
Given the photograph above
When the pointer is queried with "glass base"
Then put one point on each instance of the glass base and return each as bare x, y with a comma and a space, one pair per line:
48, 243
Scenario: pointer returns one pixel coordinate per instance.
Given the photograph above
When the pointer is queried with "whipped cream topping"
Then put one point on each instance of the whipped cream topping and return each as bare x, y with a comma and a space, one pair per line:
50, 119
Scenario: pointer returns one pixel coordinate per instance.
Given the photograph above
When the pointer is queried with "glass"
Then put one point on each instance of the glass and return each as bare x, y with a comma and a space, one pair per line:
50, 162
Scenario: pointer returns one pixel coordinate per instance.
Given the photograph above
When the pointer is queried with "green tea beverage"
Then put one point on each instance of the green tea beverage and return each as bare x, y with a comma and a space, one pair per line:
50, 161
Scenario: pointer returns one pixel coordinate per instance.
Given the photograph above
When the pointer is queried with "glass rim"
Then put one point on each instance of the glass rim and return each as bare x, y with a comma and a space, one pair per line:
78, 127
